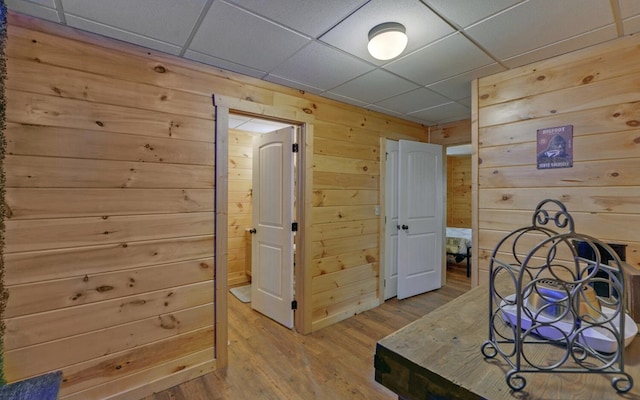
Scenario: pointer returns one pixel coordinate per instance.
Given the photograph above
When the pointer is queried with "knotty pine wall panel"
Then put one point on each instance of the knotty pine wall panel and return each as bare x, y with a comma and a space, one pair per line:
596, 91
103, 131
451, 134
459, 191
240, 203
109, 231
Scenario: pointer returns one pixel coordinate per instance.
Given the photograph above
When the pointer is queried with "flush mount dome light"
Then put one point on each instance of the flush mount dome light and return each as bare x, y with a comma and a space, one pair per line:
387, 40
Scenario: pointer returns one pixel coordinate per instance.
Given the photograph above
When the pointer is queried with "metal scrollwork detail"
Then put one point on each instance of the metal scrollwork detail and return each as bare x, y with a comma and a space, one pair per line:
553, 302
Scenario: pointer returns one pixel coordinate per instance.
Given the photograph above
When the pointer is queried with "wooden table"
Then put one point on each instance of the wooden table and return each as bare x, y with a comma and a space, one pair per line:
438, 357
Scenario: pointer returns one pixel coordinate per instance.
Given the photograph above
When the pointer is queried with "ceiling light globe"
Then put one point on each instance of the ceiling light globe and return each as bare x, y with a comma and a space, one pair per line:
387, 41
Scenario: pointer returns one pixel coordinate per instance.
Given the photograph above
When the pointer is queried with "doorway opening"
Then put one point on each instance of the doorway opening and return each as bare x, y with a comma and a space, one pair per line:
412, 226
263, 177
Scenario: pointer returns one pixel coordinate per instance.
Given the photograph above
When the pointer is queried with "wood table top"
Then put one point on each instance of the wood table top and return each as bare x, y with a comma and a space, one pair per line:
439, 357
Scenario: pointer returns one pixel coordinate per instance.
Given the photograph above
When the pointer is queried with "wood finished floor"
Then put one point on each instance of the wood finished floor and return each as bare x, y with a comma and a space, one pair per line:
268, 361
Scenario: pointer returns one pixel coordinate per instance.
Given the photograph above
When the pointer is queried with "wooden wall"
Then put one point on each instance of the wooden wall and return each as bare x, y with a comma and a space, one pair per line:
459, 191
597, 91
451, 134
109, 244
240, 203
109, 237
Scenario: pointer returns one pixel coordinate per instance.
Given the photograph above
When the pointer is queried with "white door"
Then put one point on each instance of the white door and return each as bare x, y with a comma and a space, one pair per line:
420, 217
272, 253
391, 220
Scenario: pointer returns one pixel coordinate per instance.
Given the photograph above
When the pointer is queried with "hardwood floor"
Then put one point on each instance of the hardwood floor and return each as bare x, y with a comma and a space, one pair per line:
269, 361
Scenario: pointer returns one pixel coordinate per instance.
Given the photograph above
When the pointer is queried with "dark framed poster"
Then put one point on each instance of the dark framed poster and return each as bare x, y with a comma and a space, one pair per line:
555, 147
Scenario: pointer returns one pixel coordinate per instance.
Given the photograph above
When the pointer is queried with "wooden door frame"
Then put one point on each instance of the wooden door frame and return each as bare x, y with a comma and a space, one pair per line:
223, 105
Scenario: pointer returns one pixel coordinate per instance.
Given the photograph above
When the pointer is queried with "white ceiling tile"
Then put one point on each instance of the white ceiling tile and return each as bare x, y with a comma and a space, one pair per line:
452, 119
33, 9
321, 66
374, 86
562, 47
224, 64
459, 86
237, 120
459, 150
46, 3
412, 101
631, 25
235, 35
261, 126
292, 84
537, 23
384, 110
443, 112
465, 102
164, 20
443, 59
629, 8
309, 17
422, 26
116, 33
419, 120
344, 99
464, 13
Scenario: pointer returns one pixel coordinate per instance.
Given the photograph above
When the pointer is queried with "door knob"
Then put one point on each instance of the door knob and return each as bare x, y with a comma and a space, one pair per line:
252, 231
405, 227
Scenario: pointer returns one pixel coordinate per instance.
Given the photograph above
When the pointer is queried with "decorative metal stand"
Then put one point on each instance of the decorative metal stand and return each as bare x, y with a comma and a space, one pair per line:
554, 304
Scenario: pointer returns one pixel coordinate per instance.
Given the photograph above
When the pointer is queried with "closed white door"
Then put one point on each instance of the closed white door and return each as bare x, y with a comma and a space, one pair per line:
391, 220
272, 255
420, 217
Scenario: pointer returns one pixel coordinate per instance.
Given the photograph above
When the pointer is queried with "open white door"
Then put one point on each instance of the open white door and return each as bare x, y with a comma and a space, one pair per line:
420, 218
391, 220
272, 255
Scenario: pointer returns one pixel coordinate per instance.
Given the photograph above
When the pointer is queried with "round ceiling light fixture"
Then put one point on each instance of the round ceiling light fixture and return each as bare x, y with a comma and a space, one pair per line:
387, 41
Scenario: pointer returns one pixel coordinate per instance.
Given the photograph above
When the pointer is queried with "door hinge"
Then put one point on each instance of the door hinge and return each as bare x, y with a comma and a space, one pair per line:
386, 156
295, 147
294, 227
294, 304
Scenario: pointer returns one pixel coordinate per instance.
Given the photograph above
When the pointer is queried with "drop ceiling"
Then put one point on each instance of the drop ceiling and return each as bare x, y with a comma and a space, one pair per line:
319, 46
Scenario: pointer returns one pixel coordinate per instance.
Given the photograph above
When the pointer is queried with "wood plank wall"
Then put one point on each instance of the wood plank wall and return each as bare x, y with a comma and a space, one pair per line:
459, 191
110, 187
451, 134
597, 91
240, 203
109, 237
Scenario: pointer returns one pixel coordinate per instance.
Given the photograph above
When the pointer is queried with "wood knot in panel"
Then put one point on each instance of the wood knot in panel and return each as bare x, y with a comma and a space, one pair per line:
168, 322
160, 69
307, 110
104, 288
587, 79
541, 78
484, 96
633, 123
